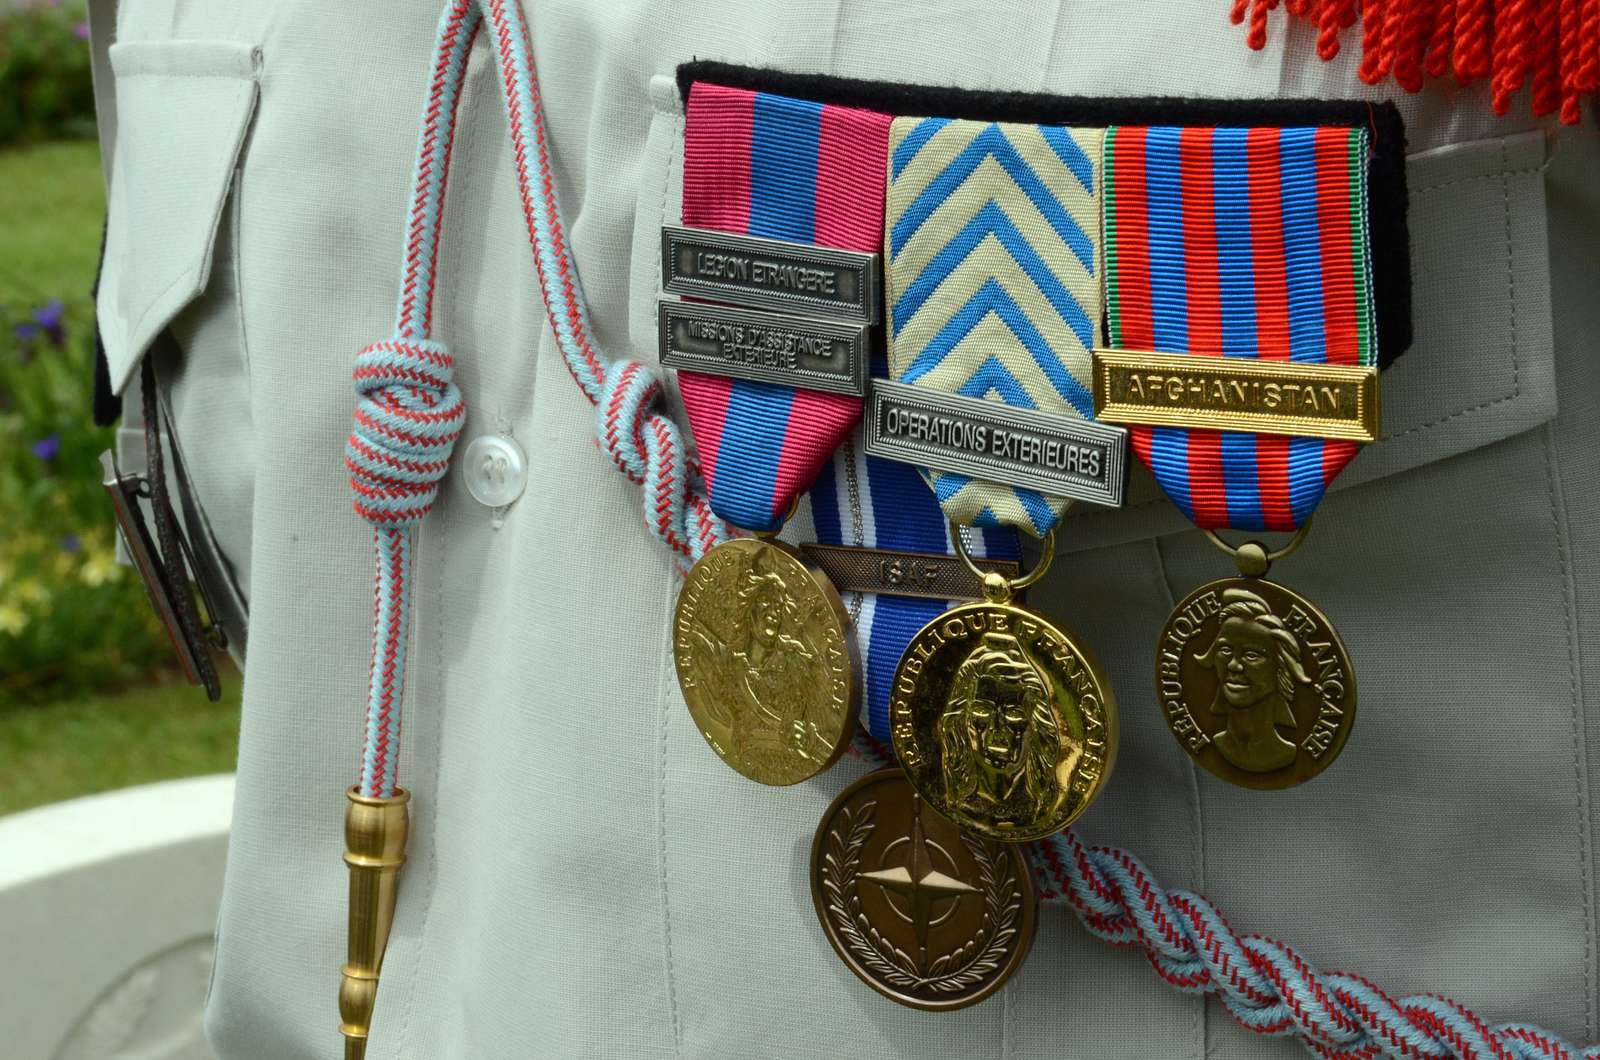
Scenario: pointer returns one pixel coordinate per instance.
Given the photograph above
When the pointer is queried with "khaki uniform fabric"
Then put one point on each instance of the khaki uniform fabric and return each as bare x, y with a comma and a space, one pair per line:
585, 878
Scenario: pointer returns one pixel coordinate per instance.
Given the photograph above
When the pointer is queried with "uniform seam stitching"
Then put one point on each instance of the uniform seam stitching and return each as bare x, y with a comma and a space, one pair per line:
662, 698
1005, 1022
237, 228
1197, 814
1511, 272
1580, 778
1497, 175
1511, 302
666, 182
221, 75
662, 708
1050, 56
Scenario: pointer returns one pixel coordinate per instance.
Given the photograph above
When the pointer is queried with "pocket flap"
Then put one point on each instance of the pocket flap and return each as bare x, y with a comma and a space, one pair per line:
182, 111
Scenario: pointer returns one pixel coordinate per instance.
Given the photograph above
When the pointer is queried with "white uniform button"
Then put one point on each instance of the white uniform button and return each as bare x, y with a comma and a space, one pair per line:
496, 470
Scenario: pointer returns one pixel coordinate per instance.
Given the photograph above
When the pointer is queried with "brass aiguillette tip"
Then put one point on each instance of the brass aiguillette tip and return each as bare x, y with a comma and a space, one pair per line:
375, 848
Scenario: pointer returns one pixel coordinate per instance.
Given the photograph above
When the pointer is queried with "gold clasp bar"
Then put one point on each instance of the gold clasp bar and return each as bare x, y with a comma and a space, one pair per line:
1236, 394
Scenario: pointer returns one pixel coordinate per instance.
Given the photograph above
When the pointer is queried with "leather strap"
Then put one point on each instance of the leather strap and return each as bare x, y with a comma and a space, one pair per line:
174, 568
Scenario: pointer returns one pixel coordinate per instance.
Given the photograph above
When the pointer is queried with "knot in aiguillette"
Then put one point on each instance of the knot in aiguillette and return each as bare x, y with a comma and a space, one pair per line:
406, 424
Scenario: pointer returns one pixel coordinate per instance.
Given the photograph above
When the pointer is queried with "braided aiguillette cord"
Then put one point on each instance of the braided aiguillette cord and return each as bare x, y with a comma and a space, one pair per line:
1266, 985
411, 413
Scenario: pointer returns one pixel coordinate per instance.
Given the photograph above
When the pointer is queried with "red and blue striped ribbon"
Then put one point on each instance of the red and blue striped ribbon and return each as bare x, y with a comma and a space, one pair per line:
768, 165
874, 503
1240, 243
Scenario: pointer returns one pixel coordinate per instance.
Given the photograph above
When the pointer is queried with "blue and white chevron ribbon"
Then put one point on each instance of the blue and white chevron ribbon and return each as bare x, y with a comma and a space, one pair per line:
993, 262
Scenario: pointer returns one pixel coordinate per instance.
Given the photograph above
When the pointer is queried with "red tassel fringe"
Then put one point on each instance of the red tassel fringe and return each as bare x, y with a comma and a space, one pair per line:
1551, 45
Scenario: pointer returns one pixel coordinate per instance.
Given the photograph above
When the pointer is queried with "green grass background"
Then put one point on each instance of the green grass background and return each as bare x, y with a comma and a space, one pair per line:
52, 203
50, 215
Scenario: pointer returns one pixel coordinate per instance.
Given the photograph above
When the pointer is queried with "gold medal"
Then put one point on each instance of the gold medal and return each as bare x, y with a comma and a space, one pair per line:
765, 660
924, 914
1003, 722
1252, 678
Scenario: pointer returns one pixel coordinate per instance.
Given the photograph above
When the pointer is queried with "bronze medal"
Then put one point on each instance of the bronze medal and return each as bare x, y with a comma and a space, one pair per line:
1253, 680
1003, 722
925, 914
765, 660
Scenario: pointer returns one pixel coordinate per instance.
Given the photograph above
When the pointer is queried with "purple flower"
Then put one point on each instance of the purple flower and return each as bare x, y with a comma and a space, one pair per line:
26, 332
50, 318
47, 447
70, 544
81, 30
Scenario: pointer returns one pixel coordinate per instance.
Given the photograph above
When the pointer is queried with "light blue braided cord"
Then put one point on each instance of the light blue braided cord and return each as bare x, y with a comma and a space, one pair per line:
408, 416
648, 447
409, 411
675, 510
393, 602
458, 28
1267, 986
563, 294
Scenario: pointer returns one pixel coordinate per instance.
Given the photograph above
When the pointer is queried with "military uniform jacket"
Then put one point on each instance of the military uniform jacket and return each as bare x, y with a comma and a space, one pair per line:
585, 878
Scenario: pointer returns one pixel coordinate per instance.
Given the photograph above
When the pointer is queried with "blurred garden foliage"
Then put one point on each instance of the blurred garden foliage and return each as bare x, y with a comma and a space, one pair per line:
89, 696
45, 88
71, 619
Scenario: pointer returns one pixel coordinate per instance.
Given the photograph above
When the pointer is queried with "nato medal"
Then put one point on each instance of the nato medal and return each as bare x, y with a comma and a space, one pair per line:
924, 913
765, 660
1003, 722
1252, 678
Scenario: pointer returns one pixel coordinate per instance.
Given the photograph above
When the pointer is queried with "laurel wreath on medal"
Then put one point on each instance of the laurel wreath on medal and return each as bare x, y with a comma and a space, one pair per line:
964, 967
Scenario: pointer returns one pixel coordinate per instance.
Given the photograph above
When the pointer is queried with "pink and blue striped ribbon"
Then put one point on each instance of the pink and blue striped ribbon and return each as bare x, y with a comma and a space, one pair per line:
768, 165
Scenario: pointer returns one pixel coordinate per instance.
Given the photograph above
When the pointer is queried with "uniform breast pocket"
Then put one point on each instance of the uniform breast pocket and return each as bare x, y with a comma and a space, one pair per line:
169, 286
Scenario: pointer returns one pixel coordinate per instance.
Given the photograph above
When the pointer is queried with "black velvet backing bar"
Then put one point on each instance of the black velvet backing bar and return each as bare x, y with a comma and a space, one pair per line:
107, 406
1386, 191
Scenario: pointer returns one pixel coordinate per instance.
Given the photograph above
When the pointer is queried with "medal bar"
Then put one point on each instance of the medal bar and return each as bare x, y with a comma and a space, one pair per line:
1054, 454
764, 347
1237, 394
770, 273
889, 572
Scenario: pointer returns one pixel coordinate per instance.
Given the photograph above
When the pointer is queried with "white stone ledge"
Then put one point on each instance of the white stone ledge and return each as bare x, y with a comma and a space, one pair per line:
107, 905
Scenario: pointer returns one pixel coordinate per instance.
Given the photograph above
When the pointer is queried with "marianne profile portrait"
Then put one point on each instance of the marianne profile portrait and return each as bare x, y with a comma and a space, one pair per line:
1006, 754
1256, 658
